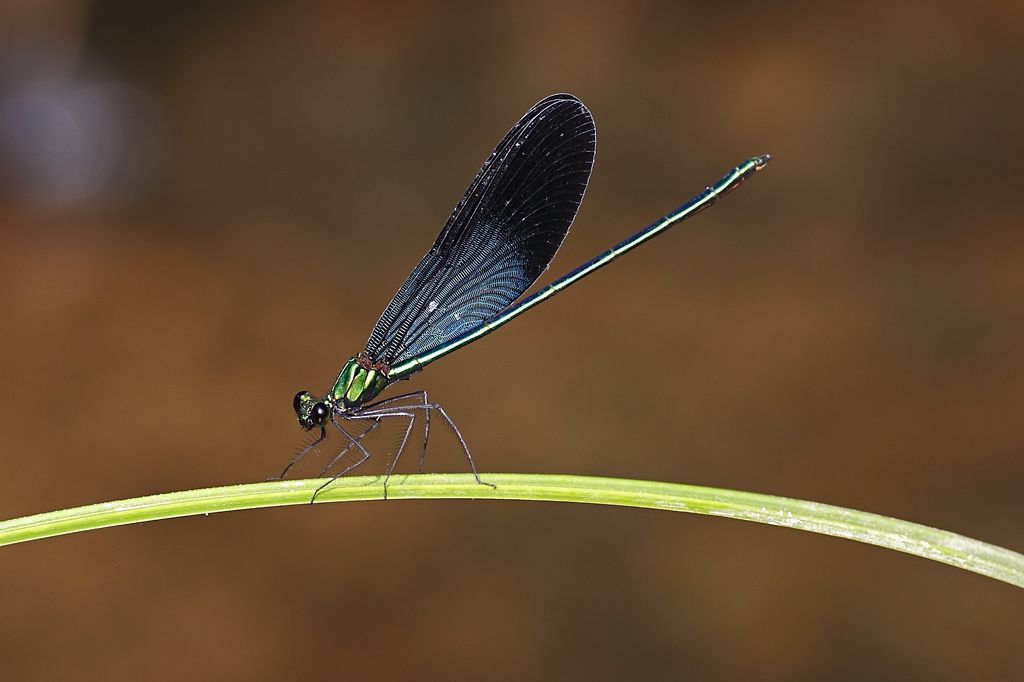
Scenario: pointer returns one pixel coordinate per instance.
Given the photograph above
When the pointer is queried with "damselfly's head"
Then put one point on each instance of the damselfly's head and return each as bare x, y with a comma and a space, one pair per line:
312, 413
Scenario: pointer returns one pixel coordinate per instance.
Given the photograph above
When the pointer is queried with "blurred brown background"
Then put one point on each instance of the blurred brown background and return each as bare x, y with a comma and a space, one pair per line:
206, 205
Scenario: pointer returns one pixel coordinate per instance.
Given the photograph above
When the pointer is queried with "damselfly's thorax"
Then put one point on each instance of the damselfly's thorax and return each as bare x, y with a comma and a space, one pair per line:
360, 381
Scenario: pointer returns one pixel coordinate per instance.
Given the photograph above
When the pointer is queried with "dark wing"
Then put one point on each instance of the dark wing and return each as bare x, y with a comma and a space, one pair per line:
501, 236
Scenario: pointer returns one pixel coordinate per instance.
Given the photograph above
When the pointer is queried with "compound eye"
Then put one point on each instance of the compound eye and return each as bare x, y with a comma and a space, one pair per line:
319, 414
297, 403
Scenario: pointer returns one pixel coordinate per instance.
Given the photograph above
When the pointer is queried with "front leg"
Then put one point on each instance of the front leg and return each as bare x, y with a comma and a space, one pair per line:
323, 435
353, 442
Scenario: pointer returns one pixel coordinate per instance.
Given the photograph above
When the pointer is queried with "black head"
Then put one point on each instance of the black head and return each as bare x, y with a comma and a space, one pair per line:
312, 413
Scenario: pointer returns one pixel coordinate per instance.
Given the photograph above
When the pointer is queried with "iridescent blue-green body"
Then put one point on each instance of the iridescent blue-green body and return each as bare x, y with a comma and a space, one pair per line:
358, 383
499, 239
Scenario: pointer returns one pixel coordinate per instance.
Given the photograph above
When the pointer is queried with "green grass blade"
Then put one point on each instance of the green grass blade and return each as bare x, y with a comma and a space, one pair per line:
911, 538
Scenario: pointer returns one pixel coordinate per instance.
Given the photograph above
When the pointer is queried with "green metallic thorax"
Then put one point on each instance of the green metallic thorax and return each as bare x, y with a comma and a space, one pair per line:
358, 383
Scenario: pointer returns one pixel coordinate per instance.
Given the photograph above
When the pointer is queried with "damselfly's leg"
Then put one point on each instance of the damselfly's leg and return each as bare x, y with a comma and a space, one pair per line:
422, 396
401, 447
427, 406
353, 442
386, 413
323, 435
426, 431
376, 416
462, 442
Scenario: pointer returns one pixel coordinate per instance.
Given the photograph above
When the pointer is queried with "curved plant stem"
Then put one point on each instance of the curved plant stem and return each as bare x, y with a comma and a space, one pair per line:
930, 543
